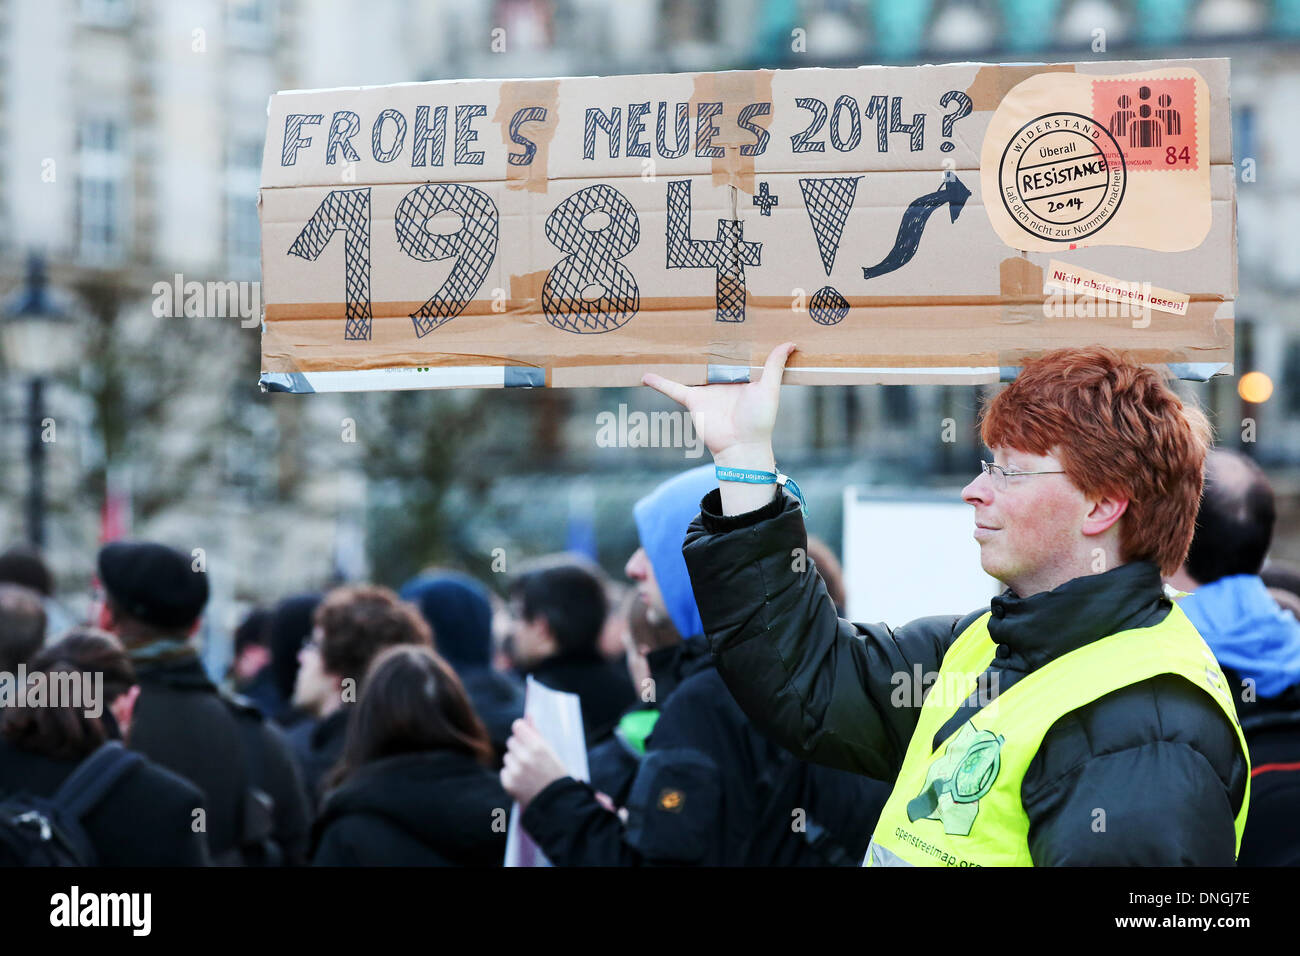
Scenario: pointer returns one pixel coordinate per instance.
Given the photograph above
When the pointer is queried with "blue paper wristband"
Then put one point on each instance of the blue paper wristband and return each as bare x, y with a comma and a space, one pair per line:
752, 476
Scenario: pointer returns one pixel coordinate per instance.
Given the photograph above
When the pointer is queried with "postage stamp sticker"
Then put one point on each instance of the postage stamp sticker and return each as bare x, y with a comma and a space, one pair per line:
1153, 119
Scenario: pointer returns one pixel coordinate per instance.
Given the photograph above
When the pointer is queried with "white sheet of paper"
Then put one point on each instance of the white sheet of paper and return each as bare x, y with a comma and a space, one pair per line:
558, 717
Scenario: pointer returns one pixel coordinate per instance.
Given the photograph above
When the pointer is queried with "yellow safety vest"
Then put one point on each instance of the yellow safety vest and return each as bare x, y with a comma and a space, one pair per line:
959, 805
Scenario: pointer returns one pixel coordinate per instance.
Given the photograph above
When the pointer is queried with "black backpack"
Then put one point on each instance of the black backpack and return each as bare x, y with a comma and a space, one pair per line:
47, 831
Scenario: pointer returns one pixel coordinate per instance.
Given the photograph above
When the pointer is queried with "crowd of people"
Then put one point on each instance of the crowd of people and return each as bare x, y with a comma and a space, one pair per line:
365, 727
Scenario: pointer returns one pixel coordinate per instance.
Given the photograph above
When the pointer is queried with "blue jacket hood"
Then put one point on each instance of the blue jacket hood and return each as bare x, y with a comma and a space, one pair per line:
1248, 631
662, 518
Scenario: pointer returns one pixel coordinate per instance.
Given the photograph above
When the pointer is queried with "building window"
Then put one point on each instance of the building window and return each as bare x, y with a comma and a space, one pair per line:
102, 206
243, 234
105, 13
250, 24
684, 22
898, 400
1291, 379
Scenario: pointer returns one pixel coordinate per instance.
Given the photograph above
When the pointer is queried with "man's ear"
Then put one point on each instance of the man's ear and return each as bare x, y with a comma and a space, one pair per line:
1104, 513
195, 626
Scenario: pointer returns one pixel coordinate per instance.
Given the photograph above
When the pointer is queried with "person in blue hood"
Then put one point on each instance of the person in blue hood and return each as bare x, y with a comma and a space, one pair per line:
658, 567
710, 790
1256, 642
459, 610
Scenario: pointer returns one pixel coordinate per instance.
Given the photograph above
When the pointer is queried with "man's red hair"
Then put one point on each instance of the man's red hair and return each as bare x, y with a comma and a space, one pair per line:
1118, 431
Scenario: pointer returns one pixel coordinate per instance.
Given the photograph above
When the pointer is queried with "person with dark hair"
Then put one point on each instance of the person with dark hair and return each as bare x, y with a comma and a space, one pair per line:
558, 610
703, 787
1283, 582
1234, 525
153, 598
413, 786
23, 564
350, 626
288, 631
250, 674
458, 610
22, 625
1257, 644
144, 813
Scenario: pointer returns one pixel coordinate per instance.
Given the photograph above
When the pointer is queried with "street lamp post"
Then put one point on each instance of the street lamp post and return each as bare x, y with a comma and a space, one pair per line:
39, 339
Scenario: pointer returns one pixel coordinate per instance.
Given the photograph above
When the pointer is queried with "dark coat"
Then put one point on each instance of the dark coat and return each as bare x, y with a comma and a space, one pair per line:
182, 722
604, 687
1272, 726
316, 746
264, 693
498, 700
145, 819
612, 764
711, 791
1158, 755
437, 808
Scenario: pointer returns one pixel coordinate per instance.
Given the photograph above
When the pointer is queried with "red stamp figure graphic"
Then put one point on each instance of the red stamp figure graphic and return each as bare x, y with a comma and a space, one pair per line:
1154, 121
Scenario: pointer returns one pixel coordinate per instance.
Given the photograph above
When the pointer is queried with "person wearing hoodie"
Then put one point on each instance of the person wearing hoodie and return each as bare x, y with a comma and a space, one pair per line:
413, 787
1256, 642
250, 674
459, 611
711, 790
289, 629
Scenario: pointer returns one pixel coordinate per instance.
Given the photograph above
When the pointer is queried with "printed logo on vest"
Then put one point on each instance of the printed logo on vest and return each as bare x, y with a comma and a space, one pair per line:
955, 782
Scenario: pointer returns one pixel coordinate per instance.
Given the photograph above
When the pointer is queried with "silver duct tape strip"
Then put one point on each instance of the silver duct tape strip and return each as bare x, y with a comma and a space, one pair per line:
727, 374
518, 376
1198, 371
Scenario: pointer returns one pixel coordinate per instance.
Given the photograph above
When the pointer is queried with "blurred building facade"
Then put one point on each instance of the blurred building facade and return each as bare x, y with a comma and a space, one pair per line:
131, 134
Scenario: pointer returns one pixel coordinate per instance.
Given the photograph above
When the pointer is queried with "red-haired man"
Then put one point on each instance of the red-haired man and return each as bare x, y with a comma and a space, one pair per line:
1079, 718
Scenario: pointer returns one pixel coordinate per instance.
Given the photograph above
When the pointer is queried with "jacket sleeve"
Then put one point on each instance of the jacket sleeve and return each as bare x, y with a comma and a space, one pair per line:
573, 829
840, 694
1096, 795
674, 803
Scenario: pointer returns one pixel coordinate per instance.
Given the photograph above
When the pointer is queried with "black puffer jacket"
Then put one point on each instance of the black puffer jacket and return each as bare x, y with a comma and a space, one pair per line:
436, 808
1272, 726
1158, 755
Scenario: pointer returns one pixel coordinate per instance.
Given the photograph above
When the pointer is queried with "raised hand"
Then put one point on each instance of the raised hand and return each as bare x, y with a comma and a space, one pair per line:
731, 419
735, 422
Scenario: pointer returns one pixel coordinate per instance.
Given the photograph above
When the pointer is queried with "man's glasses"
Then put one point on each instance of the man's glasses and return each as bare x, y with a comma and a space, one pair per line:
1000, 474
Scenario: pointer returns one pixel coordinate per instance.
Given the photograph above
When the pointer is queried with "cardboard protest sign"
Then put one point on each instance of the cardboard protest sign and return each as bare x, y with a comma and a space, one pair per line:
901, 224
